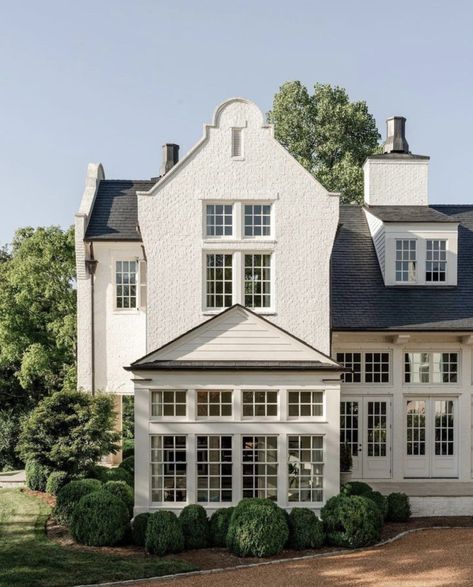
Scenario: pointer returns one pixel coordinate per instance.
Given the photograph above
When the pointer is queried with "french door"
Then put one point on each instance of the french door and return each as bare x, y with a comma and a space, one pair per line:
365, 427
431, 437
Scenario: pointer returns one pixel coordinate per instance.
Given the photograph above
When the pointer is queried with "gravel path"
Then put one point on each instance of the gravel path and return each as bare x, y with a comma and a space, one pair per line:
433, 558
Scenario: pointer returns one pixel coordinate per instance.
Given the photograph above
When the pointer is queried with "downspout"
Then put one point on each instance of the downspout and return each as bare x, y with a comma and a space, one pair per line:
91, 265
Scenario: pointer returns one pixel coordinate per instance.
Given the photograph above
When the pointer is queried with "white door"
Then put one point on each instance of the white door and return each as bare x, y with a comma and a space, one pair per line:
366, 429
431, 438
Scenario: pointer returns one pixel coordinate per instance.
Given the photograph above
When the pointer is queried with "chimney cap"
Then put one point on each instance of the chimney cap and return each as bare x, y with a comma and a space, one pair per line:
396, 141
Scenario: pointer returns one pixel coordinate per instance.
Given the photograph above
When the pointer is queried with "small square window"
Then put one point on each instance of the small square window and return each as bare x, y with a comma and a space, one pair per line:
219, 220
169, 403
305, 404
257, 220
214, 404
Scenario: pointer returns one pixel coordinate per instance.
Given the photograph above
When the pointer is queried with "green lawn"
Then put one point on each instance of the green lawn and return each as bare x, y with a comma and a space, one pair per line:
29, 559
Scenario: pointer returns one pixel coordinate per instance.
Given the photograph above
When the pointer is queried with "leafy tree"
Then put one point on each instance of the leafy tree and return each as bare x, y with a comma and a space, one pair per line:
69, 431
37, 315
329, 135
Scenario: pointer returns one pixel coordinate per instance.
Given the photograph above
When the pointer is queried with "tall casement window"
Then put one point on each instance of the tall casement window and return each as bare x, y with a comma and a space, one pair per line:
305, 404
436, 261
219, 220
305, 468
219, 281
406, 260
125, 284
257, 220
415, 427
260, 466
260, 404
168, 403
432, 367
258, 281
237, 142
214, 469
367, 367
214, 404
168, 468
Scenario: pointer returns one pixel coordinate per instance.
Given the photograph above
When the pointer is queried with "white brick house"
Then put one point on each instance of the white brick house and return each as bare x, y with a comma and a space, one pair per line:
234, 287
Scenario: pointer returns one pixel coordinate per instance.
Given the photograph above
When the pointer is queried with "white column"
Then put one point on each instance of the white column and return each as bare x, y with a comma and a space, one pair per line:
398, 425
142, 452
282, 470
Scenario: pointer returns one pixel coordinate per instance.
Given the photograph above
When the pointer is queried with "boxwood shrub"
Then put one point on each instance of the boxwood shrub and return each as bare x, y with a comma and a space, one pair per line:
68, 497
56, 480
356, 488
138, 528
123, 491
164, 533
128, 447
128, 464
351, 521
219, 522
36, 476
100, 519
399, 509
258, 527
305, 529
105, 474
380, 500
195, 526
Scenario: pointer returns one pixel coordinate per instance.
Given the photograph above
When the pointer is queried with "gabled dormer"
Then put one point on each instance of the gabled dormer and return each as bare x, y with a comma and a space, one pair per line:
416, 244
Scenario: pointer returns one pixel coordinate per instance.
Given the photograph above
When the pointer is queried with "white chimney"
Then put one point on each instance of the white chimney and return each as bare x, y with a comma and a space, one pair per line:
396, 178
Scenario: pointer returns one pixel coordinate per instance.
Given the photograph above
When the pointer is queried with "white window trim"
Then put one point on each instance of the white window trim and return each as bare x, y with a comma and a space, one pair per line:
213, 504
363, 352
168, 418
116, 309
235, 224
264, 238
191, 457
275, 418
205, 252
293, 504
416, 261
214, 418
430, 352
321, 418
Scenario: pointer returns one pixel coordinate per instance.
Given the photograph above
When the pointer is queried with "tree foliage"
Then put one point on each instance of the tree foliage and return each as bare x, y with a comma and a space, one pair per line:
69, 431
327, 133
37, 315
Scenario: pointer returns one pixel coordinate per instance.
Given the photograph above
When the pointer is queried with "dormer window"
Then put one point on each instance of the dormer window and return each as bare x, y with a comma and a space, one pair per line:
436, 261
406, 260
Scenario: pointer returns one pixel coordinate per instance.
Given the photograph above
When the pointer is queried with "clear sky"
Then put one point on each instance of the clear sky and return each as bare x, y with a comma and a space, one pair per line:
112, 80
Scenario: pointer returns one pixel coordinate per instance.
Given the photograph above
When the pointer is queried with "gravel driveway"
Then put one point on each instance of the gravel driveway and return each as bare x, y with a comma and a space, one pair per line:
430, 558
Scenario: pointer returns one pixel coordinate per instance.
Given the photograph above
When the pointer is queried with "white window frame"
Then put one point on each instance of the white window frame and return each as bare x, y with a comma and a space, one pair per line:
264, 463
170, 504
363, 353
206, 253
219, 403
431, 353
396, 261
311, 418
127, 259
174, 418
433, 261
265, 404
263, 309
262, 237
210, 462
234, 215
296, 503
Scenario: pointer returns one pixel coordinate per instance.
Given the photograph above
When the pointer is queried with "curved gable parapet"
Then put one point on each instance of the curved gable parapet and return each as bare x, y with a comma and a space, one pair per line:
238, 112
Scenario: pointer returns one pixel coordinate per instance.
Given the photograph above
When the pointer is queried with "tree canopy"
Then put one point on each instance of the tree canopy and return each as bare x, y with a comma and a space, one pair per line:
327, 133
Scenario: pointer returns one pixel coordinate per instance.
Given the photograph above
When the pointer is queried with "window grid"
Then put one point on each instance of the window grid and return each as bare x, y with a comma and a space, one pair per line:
219, 280
305, 404
260, 466
367, 367
219, 219
435, 367
377, 428
436, 261
214, 404
305, 468
171, 403
259, 404
415, 426
258, 281
168, 469
445, 367
405, 260
257, 220
125, 283
349, 425
444, 428
214, 469
376, 367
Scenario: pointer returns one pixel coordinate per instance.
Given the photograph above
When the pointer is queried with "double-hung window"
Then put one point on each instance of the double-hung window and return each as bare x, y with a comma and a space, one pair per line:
367, 367
431, 367
436, 261
125, 284
406, 260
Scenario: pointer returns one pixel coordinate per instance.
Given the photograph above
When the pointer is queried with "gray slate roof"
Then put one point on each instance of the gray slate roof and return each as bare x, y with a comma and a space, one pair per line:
115, 212
409, 214
360, 300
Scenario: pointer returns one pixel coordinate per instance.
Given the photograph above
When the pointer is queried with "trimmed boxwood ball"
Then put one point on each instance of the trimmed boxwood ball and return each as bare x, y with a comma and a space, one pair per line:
100, 519
380, 500
356, 488
351, 521
68, 497
123, 491
138, 528
399, 509
164, 533
36, 476
258, 527
105, 474
128, 464
56, 480
195, 526
305, 529
219, 522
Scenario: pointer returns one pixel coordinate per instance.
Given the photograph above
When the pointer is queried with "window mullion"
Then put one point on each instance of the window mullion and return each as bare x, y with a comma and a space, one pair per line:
238, 278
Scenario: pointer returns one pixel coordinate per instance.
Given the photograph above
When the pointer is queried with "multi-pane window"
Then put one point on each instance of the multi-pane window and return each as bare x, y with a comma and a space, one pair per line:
415, 427
406, 260
219, 280
376, 429
214, 404
434, 367
237, 142
168, 468
305, 468
436, 261
257, 219
349, 413
214, 468
170, 403
219, 220
305, 404
258, 281
125, 284
260, 403
367, 367
444, 428
260, 466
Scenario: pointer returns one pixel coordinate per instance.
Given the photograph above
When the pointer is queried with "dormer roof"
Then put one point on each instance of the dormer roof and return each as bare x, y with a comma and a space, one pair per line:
409, 214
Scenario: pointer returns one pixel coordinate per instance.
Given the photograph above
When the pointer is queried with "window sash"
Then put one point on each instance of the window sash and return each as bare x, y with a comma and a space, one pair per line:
369, 367
257, 280
257, 220
219, 220
434, 367
214, 466
126, 283
214, 404
406, 261
305, 469
305, 404
169, 403
259, 404
260, 466
219, 280
168, 468
436, 261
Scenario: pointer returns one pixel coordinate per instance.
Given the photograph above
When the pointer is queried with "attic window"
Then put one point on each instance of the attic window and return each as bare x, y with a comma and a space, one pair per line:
237, 146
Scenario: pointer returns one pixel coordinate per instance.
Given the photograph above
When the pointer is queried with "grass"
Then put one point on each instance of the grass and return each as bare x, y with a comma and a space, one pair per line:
29, 559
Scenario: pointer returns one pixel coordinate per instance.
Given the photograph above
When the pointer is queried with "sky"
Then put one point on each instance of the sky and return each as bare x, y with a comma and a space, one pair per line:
110, 81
